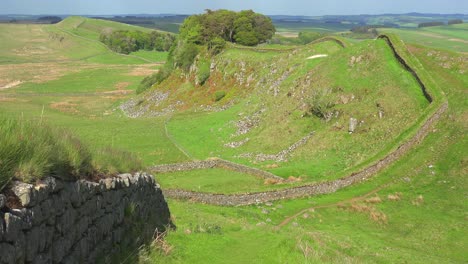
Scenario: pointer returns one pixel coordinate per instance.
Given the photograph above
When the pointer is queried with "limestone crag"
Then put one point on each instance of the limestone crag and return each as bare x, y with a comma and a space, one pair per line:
78, 222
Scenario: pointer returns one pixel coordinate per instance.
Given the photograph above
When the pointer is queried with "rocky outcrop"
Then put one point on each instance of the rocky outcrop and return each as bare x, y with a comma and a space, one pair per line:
79, 222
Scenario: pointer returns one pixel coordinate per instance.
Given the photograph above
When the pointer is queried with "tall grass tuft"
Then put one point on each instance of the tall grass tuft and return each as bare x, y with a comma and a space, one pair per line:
30, 150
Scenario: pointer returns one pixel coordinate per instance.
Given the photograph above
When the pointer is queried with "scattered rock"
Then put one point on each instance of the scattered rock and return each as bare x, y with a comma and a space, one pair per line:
394, 197
261, 224
236, 144
352, 124
381, 114
418, 201
265, 211
305, 216
268, 220
268, 204
407, 179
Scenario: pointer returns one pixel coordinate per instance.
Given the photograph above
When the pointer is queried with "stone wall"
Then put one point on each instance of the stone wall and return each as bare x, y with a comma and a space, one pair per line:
311, 189
79, 222
214, 163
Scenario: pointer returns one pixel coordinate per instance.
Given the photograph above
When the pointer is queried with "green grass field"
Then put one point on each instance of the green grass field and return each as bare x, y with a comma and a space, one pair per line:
331, 149
453, 37
412, 212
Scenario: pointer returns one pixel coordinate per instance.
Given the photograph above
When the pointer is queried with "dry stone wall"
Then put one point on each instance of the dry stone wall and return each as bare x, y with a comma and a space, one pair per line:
314, 189
79, 222
213, 163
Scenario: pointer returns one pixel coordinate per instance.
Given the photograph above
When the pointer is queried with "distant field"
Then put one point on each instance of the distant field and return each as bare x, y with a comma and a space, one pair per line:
454, 37
74, 81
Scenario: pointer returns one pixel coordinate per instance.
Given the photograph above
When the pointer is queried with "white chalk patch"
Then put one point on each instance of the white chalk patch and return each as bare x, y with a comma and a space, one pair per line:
10, 85
317, 56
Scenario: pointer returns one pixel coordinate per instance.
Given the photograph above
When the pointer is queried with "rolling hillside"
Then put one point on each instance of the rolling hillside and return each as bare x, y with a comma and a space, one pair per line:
286, 111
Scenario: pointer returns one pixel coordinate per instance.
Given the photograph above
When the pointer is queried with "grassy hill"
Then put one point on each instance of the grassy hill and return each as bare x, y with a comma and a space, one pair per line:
413, 211
271, 93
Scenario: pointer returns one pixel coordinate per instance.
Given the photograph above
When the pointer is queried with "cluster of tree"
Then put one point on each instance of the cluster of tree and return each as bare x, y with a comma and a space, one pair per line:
455, 21
209, 33
244, 27
125, 41
430, 24
367, 29
49, 19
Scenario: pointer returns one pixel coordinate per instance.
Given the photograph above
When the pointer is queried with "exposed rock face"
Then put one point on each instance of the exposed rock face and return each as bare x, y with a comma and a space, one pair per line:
77, 222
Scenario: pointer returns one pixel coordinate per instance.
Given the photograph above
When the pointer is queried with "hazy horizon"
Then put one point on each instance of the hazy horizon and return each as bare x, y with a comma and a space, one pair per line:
272, 7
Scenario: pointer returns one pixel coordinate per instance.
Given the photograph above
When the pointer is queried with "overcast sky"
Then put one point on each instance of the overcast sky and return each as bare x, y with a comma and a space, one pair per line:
269, 7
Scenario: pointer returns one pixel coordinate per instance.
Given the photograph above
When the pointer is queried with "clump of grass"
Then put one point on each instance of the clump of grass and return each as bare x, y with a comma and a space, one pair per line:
31, 151
219, 95
322, 102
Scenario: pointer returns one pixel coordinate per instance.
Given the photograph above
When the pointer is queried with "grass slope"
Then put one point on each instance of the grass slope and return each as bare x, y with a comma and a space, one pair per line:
376, 80
413, 212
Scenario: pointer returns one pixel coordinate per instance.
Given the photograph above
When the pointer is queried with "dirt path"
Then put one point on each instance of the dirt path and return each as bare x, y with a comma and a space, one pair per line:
175, 142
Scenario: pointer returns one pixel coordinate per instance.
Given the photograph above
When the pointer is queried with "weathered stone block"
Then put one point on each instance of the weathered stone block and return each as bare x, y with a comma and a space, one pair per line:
7, 253
33, 240
25, 192
54, 185
3, 201
352, 124
42, 259
13, 227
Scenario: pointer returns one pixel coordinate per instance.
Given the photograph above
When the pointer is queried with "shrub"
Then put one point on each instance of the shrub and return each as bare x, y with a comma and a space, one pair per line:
203, 72
216, 45
455, 21
185, 55
153, 79
431, 24
321, 103
219, 95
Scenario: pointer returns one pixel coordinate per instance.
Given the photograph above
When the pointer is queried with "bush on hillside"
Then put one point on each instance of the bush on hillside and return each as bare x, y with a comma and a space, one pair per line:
219, 95
185, 55
155, 78
430, 24
203, 72
322, 102
31, 150
126, 41
216, 45
455, 21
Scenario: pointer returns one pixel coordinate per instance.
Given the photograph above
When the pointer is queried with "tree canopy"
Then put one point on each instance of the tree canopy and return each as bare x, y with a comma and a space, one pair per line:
125, 41
244, 27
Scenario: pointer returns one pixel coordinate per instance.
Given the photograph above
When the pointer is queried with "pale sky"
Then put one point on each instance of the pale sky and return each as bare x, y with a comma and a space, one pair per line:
269, 7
